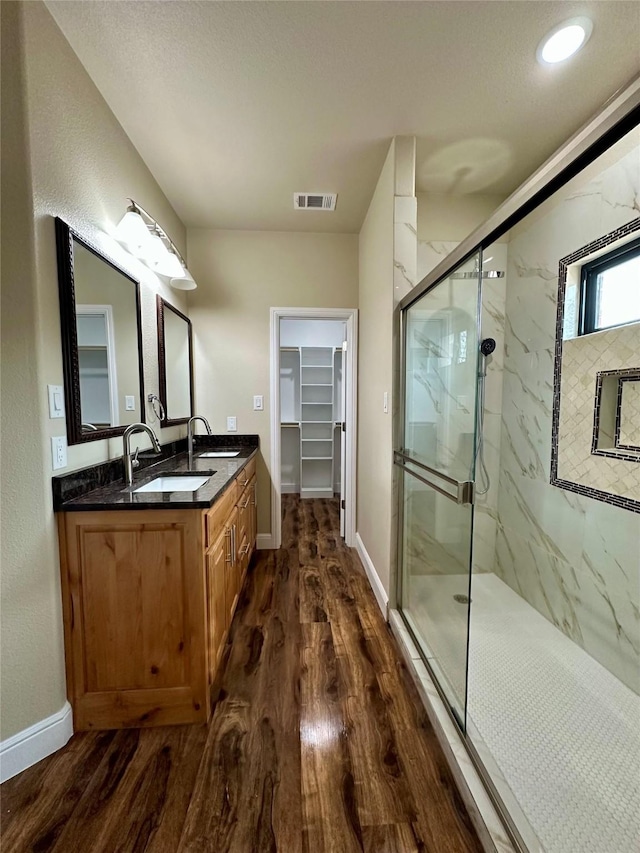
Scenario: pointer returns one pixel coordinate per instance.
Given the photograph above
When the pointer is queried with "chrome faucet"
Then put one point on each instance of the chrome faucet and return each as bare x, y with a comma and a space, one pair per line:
129, 463
190, 435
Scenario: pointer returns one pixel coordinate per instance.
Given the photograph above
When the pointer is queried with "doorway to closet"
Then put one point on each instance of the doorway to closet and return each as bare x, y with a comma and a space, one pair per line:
313, 411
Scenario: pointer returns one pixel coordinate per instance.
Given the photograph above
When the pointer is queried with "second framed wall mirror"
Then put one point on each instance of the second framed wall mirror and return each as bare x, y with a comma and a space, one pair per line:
175, 363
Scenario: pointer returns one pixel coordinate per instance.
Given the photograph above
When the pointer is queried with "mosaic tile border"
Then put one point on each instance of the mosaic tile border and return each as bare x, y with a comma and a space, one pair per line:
624, 375
587, 491
616, 438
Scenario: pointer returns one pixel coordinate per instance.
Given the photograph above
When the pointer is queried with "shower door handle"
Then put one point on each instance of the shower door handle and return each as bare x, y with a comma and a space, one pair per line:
464, 489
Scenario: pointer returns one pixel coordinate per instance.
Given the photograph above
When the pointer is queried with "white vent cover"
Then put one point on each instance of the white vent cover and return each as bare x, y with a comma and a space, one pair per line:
314, 201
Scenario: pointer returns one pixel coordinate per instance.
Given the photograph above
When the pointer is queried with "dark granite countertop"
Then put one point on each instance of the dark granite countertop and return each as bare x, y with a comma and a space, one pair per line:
115, 495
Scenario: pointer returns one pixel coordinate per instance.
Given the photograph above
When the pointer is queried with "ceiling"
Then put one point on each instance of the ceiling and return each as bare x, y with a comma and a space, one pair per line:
234, 106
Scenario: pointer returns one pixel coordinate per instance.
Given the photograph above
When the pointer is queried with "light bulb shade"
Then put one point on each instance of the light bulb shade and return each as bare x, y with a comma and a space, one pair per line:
133, 232
153, 252
185, 282
169, 265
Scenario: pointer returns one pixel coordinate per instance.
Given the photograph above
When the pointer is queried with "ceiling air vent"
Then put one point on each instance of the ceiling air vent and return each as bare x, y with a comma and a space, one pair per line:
314, 201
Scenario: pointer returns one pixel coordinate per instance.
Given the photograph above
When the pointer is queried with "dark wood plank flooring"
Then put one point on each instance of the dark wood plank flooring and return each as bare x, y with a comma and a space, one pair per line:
318, 742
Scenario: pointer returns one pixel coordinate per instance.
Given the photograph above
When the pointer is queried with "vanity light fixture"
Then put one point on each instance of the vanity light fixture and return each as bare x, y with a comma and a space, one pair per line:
148, 241
564, 40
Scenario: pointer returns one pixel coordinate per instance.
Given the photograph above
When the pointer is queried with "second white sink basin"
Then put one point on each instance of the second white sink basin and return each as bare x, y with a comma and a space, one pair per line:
218, 454
173, 484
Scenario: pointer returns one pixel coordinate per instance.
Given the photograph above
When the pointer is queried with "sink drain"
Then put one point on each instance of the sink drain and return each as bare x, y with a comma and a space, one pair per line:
461, 599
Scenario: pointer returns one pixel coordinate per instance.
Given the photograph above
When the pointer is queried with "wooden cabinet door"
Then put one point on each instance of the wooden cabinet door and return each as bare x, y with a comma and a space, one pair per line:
253, 523
244, 531
135, 617
216, 602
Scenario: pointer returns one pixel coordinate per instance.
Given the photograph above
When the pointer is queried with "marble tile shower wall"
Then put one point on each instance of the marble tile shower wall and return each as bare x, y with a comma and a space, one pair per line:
492, 324
575, 559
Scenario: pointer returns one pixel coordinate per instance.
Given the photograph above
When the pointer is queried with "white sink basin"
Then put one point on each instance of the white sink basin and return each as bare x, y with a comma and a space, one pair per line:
173, 484
218, 454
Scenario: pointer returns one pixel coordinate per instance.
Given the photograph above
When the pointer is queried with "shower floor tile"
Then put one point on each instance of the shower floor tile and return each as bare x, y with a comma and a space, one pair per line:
560, 728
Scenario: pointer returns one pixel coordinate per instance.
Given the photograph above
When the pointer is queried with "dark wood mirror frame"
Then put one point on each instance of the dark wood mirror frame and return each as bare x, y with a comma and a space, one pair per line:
65, 236
163, 306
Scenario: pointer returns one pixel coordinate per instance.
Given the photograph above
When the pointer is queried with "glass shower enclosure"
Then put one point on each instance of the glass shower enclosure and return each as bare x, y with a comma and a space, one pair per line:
521, 590
437, 462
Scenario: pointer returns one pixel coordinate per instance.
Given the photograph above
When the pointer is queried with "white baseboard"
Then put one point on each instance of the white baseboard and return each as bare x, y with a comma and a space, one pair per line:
31, 745
376, 584
289, 489
264, 542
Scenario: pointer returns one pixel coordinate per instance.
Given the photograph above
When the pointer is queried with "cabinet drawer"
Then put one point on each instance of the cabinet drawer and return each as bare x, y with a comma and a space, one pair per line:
247, 473
216, 517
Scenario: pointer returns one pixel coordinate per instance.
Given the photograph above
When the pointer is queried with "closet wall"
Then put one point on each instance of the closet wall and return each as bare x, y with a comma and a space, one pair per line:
311, 406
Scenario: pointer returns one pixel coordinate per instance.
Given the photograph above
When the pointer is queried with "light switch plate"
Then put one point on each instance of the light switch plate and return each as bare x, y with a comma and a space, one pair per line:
56, 401
258, 403
232, 424
129, 403
385, 403
59, 451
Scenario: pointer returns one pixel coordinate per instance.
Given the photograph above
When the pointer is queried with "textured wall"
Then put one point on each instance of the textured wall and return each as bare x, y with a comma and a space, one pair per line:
241, 275
64, 154
375, 439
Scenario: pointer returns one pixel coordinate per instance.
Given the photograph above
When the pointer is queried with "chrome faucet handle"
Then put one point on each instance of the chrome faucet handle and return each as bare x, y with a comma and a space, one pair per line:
135, 462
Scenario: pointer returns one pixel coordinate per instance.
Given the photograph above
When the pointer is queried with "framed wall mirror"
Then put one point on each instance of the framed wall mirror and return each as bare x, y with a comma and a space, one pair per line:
101, 329
175, 363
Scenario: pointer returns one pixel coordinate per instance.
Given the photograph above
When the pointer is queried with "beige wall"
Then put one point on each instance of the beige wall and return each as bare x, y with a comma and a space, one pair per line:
241, 275
451, 217
375, 366
64, 154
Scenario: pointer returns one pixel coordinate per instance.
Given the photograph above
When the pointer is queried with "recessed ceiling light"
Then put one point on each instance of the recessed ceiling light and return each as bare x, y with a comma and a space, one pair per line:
564, 40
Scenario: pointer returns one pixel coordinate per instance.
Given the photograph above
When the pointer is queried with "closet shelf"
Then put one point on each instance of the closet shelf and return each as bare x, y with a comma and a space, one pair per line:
317, 367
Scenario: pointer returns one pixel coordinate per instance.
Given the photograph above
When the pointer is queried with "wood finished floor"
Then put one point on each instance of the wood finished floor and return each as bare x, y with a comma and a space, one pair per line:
318, 742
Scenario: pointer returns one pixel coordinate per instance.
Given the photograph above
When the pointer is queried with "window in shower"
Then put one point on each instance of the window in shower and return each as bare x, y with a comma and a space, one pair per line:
610, 289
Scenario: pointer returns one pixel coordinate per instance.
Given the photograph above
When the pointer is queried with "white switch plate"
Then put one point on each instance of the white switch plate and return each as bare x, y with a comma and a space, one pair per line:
129, 403
59, 451
232, 425
258, 403
56, 401
385, 402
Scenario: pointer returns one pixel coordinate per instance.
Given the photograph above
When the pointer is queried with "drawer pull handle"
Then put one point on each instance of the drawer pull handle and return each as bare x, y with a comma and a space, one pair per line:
245, 504
227, 537
244, 550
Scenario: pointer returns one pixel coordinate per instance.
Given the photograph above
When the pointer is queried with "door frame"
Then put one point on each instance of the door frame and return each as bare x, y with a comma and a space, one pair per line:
106, 311
350, 374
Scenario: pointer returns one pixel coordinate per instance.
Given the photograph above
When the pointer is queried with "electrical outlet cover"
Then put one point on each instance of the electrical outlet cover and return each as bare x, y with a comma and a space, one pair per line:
59, 451
232, 424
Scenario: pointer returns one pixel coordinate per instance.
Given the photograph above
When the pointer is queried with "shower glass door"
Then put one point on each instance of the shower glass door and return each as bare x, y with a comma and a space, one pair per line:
441, 351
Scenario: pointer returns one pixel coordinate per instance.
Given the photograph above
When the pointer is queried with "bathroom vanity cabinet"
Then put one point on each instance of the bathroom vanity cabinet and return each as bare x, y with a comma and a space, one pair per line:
148, 599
